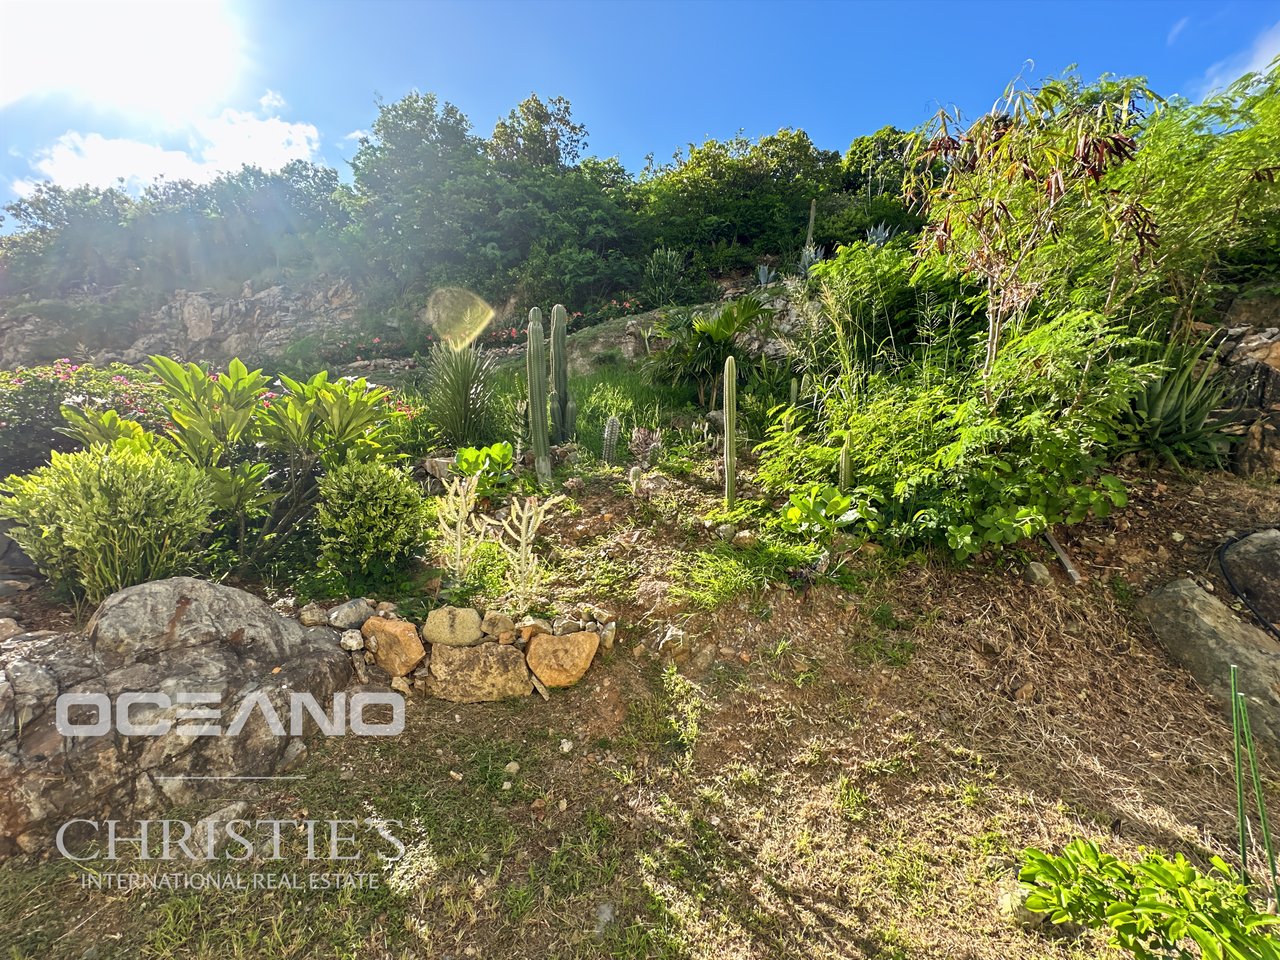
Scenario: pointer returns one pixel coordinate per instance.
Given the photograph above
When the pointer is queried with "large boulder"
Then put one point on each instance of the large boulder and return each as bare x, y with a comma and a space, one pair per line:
487, 671
1202, 634
177, 639
1254, 566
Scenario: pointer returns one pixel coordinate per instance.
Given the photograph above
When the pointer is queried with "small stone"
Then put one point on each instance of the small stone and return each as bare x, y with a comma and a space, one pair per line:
512, 768
496, 624
563, 805
601, 615
455, 775
9, 629
1037, 574
453, 627
745, 539
506, 784
386, 606
350, 615
727, 531
507, 636
607, 634
1177, 537
561, 661
394, 644
351, 640
530, 627
401, 685
566, 625
313, 615
566, 746
347, 774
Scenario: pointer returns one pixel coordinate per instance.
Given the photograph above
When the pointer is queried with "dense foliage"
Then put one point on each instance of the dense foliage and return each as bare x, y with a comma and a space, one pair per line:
518, 216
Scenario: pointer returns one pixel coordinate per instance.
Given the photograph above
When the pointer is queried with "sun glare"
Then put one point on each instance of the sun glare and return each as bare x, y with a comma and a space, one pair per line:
168, 63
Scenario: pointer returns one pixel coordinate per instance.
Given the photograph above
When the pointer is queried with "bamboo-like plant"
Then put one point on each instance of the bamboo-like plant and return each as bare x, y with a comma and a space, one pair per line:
730, 432
1242, 738
536, 375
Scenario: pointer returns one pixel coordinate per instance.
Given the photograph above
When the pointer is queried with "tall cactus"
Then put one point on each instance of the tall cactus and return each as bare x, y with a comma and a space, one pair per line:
846, 466
730, 432
609, 448
564, 412
536, 374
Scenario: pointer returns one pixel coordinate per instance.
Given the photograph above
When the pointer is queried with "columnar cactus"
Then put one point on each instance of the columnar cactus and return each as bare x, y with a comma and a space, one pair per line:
609, 448
730, 432
795, 391
564, 412
536, 374
846, 466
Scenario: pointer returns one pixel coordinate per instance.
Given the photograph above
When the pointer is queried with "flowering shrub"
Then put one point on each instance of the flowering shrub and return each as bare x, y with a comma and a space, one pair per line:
31, 400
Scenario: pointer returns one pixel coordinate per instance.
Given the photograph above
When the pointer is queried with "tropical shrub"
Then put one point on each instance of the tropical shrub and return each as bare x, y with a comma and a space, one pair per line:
950, 459
699, 344
491, 466
1154, 908
371, 519
460, 405
31, 400
101, 519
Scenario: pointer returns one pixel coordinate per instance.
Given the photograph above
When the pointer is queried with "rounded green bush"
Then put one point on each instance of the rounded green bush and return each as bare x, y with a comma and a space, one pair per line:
371, 518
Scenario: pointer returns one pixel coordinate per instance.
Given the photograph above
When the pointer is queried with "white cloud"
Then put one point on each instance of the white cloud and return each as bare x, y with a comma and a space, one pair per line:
272, 102
159, 62
217, 144
1176, 30
1265, 48
356, 135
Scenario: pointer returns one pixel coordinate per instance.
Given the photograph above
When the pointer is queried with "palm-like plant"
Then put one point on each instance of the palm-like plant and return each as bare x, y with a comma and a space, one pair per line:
699, 344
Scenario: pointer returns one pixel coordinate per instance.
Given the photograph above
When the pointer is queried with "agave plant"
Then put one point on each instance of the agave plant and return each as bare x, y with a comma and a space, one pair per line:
460, 406
765, 275
880, 234
1181, 412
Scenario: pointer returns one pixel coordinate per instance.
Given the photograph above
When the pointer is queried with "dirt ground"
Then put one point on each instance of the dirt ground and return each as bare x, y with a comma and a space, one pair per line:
844, 769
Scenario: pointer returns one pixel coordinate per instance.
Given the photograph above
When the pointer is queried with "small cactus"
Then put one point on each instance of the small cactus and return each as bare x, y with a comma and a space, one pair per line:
846, 466
536, 373
634, 476
730, 432
609, 448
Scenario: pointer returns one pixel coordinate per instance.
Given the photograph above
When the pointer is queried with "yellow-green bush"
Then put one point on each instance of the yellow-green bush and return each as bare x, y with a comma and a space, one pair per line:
100, 519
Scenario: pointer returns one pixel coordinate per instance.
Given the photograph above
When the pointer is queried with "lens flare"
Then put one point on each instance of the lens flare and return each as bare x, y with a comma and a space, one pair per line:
457, 315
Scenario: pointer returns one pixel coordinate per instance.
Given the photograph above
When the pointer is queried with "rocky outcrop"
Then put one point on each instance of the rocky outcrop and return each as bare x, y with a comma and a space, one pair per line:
195, 325
1202, 634
1253, 564
1251, 359
202, 656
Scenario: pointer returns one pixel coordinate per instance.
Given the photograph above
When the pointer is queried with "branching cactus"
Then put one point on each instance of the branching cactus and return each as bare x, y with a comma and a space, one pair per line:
730, 432
609, 448
536, 374
564, 412
846, 466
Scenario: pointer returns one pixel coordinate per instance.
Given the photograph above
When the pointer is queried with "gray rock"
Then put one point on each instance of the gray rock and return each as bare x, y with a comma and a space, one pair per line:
172, 637
9, 628
1202, 634
452, 627
351, 640
12, 557
1037, 574
350, 615
607, 634
496, 623
562, 626
209, 835
1254, 565
488, 671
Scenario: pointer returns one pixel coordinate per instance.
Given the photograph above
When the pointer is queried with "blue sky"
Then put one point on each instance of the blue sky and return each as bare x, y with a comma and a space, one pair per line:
94, 91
